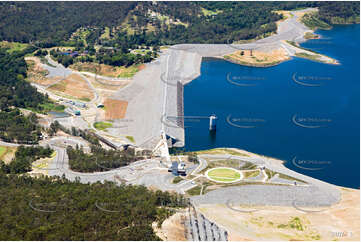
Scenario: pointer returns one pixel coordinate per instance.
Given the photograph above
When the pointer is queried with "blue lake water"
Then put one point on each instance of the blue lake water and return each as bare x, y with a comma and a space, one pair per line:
303, 112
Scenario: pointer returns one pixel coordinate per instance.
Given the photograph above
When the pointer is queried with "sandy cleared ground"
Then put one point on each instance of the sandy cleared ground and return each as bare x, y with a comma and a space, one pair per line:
74, 86
172, 228
41, 166
286, 15
104, 84
36, 73
300, 14
106, 70
115, 109
8, 154
338, 222
259, 58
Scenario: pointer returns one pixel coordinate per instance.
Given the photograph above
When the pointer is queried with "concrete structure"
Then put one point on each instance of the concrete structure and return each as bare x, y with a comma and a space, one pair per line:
212, 122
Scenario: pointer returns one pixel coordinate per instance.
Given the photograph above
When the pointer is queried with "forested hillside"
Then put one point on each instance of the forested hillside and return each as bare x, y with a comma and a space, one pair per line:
57, 209
55, 21
340, 12
16, 93
14, 90
153, 23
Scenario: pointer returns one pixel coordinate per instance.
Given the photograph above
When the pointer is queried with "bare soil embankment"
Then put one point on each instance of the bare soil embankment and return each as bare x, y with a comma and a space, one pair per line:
73, 86
115, 109
173, 228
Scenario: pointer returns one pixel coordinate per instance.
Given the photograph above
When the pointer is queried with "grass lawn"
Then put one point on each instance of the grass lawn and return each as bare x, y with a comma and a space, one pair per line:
128, 72
177, 179
224, 174
194, 191
250, 174
13, 46
102, 125
48, 107
53, 107
2, 150
308, 56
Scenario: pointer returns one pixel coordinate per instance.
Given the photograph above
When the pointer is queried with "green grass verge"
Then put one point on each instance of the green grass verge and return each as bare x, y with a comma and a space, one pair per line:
85, 99
207, 12
102, 125
308, 56
52, 107
194, 191
310, 35
130, 138
283, 176
224, 174
220, 151
248, 166
48, 107
271, 174
312, 21
129, 71
300, 47
177, 180
250, 174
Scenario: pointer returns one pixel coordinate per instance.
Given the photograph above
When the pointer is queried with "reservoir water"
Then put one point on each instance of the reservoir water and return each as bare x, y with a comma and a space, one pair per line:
303, 112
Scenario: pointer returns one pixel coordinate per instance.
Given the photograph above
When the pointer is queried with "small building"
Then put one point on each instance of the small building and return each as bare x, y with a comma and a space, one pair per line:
80, 104
177, 169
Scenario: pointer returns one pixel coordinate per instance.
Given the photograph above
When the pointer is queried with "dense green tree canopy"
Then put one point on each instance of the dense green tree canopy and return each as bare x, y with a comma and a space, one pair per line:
52, 23
56, 209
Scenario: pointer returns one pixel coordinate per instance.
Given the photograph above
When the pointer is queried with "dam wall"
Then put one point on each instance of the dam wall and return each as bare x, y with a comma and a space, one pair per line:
183, 67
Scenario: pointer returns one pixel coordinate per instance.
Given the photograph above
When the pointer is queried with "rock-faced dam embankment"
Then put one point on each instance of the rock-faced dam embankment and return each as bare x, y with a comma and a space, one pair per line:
155, 96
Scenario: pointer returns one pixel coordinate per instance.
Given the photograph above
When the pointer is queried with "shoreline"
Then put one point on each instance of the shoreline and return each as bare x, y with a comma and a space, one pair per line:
274, 160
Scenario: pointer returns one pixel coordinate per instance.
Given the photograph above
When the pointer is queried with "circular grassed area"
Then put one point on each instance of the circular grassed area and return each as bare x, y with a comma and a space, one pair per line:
223, 174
